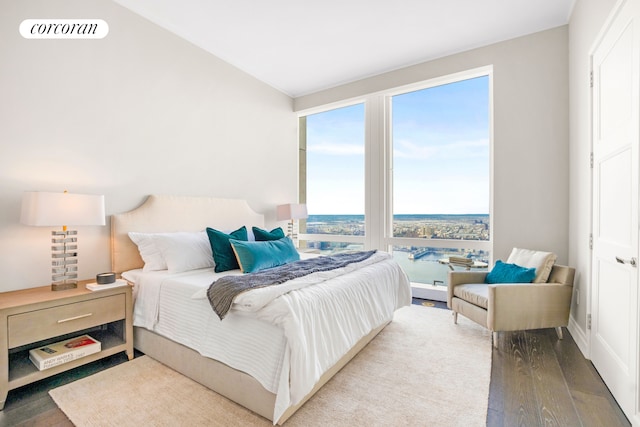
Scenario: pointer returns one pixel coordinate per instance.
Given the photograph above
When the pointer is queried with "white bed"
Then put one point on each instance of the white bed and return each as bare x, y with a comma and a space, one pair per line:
268, 355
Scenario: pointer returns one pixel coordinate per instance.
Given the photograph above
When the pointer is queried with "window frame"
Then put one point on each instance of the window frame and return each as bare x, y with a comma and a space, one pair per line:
389, 239
378, 178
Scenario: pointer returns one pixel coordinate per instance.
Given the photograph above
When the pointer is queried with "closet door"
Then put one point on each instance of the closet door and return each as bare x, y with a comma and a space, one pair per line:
616, 119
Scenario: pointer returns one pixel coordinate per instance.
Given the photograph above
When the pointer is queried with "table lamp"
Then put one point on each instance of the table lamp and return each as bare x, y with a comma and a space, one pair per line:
290, 212
62, 209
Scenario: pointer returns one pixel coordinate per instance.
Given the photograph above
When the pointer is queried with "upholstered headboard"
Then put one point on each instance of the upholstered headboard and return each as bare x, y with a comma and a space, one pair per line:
171, 214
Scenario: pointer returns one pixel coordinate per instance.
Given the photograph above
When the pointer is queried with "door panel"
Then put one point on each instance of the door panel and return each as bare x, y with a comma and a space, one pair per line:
615, 206
612, 328
615, 81
614, 298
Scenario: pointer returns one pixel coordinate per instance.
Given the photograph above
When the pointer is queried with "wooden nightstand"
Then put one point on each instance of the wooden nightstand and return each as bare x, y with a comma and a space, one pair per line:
38, 316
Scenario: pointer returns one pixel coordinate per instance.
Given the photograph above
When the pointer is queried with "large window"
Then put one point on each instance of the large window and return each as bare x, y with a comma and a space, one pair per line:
417, 183
441, 170
335, 178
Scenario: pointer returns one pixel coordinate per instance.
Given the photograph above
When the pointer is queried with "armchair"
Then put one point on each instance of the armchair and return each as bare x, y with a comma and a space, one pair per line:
512, 306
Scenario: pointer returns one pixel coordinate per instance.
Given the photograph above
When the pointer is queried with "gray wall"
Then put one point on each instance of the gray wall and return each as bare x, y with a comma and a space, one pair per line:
138, 112
531, 133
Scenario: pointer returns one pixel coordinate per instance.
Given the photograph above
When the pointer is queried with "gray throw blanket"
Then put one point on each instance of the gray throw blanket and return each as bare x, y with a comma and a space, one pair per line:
222, 292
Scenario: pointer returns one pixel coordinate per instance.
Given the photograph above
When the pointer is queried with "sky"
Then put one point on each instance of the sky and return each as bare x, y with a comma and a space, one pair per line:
441, 154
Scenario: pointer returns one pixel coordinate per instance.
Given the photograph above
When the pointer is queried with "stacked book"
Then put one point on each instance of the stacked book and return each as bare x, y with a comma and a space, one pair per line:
459, 260
61, 352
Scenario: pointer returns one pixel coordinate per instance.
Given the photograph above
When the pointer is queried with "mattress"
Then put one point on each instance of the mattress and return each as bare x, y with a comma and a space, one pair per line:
285, 339
164, 304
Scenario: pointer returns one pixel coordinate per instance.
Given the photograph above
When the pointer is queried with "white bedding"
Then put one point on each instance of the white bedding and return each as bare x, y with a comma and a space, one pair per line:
284, 340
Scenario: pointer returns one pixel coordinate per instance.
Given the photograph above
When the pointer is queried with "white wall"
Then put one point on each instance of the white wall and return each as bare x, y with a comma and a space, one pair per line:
531, 133
586, 20
143, 112
136, 113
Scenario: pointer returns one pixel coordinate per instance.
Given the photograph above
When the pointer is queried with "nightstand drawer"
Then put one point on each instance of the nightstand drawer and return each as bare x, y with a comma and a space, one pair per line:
38, 325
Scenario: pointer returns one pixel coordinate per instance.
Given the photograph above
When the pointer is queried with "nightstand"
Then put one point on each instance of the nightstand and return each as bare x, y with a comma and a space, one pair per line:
37, 316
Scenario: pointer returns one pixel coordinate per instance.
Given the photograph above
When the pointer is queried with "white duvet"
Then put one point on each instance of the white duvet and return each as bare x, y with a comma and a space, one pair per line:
298, 330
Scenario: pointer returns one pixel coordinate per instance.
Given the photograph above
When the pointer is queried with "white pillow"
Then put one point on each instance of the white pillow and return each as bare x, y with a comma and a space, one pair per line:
541, 261
149, 251
184, 251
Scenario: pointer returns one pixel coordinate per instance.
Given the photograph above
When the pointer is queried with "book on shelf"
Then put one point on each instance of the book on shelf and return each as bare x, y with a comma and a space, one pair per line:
55, 354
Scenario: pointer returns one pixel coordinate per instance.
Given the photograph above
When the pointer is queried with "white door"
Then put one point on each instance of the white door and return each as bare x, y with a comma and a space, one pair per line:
614, 299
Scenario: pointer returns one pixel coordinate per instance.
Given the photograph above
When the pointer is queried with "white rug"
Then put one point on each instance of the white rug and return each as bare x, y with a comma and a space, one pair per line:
421, 370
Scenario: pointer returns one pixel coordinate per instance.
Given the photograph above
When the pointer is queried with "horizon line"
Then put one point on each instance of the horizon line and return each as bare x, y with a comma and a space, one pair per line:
415, 214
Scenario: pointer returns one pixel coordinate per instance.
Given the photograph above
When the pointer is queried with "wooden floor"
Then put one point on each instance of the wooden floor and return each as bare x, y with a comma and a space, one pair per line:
539, 380
536, 380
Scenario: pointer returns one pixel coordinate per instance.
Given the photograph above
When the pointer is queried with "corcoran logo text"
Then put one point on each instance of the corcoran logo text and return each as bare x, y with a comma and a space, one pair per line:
64, 28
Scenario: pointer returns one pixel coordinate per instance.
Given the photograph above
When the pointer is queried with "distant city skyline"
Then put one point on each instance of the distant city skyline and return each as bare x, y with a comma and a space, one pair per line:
440, 154
430, 226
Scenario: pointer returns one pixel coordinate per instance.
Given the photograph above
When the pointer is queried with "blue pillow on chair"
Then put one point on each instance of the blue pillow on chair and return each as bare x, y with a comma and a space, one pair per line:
510, 273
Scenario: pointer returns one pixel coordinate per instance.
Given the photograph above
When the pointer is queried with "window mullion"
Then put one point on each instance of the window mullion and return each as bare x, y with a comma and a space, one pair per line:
375, 199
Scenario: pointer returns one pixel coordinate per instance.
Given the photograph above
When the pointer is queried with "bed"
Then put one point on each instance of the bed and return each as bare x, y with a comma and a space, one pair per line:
268, 355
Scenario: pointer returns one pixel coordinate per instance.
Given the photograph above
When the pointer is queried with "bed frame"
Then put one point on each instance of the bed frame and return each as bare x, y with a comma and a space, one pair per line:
181, 213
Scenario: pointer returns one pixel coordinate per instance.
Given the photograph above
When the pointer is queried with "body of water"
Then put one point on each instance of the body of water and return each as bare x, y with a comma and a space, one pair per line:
423, 269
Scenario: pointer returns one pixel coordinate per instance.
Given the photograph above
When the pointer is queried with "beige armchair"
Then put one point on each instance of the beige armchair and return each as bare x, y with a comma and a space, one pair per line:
512, 306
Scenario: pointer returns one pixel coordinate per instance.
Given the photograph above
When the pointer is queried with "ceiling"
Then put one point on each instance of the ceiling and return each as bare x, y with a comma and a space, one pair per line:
303, 46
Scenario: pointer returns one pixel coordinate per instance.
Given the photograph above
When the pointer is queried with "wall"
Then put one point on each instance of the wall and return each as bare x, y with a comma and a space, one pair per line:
587, 19
531, 133
138, 112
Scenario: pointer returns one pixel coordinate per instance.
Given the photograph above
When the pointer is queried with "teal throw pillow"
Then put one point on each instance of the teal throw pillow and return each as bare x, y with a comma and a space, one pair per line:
223, 254
262, 235
256, 256
510, 273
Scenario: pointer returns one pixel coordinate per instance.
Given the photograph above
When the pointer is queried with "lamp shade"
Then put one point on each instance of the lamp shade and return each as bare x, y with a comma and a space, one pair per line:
60, 209
291, 211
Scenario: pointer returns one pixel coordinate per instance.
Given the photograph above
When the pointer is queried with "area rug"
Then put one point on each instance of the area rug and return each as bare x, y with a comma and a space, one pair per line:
421, 370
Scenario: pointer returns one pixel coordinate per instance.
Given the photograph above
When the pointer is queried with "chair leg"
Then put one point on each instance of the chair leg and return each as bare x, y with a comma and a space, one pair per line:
455, 317
559, 332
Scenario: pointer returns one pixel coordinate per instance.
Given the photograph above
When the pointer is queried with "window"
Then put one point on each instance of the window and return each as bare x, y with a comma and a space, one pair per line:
417, 183
335, 160
441, 162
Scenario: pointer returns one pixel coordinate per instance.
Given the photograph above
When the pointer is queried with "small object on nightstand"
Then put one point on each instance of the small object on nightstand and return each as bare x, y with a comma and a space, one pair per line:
105, 278
99, 287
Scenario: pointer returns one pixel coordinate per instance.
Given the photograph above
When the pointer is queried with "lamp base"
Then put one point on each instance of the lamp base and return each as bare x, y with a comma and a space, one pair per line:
64, 286
64, 260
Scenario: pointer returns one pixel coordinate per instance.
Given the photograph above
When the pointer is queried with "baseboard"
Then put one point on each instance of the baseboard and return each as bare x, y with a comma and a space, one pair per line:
434, 293
579, 337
